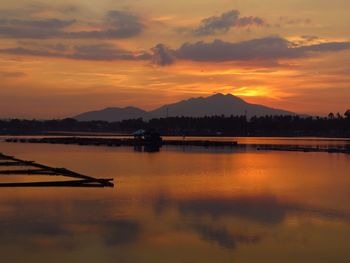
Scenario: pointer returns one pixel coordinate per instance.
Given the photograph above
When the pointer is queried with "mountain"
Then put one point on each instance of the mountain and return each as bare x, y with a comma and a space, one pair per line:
217, 104
112, 114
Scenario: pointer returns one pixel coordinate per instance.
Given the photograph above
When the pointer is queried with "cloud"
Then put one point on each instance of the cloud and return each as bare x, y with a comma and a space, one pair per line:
325, 47
100, 52
224, 22
97, 52
124, 24
117, 24
47, 23
39, 29
269, 48
162, 55
120, 24
29, 52
218, 50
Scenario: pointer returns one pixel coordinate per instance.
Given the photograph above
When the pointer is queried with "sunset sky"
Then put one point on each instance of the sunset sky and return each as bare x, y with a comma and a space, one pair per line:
61, 58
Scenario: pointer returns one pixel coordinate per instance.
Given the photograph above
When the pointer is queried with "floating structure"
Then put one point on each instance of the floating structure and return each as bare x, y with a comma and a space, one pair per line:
153, 143
33, 168
202, 143
112, 142
289, 148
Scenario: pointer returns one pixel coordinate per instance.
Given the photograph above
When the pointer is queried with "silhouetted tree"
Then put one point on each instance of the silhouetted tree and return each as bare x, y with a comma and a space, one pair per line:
347, 114
208, 125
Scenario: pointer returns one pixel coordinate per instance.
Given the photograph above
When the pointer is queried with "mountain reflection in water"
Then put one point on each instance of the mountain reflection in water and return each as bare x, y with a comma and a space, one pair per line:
178, 206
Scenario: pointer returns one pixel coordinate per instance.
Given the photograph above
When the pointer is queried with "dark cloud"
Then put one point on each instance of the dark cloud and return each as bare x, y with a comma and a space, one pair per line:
162, 55
48, 28
42, 45
269, 48
264, 49
47, 23
224, 22
118, 24
218, 50
124, 24
21, 51
98, 52
325, 47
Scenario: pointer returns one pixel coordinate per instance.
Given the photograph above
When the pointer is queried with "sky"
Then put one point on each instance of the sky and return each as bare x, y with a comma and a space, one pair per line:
61, 58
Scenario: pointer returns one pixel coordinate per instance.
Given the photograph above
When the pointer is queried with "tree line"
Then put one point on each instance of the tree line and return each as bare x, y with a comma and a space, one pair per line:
334, 125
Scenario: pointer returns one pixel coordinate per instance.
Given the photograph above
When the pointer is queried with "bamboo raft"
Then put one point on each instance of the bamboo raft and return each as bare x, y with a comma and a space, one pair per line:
112, 142
287, 148
34, 168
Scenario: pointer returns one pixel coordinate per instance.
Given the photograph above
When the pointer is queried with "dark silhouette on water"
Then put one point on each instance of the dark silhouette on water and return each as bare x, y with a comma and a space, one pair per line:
40, 169
147, 141
150, 142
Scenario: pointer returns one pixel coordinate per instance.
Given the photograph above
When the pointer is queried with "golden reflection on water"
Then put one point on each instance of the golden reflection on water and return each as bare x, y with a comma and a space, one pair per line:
180, 206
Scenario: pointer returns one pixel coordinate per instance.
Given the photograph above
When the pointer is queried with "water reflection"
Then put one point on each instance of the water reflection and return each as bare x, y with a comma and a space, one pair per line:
147, 148
181, 207
120, 232
41, 223
264, 209
212, 218
222, 236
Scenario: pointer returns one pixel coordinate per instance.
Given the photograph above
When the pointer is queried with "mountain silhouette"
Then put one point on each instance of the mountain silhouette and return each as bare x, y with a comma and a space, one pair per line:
112, 114
217, 104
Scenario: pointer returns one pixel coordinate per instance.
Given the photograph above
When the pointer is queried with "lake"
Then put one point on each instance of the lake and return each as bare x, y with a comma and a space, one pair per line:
182, 205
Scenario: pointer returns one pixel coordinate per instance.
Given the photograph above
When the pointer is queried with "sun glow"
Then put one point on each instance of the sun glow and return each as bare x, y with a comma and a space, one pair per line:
266, 92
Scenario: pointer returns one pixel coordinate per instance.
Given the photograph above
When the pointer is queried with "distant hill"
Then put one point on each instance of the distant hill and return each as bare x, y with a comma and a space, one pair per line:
112, 114
217, 104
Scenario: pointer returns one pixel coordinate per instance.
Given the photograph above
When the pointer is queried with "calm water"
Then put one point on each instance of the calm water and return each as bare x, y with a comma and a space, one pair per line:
181, 206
